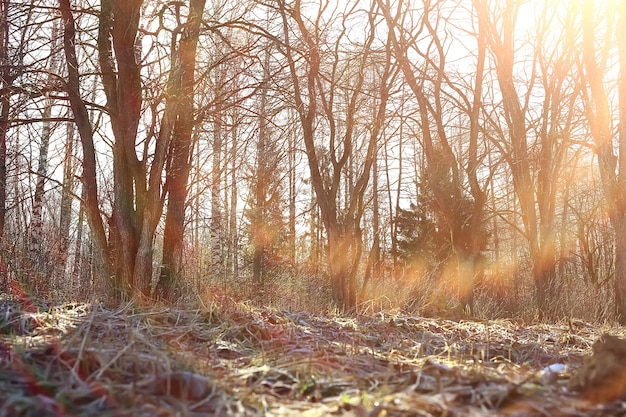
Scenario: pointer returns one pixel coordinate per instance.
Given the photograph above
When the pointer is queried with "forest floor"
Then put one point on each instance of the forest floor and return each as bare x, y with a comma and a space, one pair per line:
240, 360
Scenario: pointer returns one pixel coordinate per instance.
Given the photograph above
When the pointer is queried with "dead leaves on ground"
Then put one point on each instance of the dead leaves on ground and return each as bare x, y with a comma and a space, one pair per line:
80, 360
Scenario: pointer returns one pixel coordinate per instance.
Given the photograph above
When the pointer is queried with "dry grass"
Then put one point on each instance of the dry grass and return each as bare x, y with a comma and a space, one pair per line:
234, 359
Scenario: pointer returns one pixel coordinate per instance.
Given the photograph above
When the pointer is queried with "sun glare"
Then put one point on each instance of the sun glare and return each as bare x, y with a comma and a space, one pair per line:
530, 11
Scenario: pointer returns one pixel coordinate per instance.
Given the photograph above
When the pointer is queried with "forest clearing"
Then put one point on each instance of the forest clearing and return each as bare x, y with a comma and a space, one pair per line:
238, 360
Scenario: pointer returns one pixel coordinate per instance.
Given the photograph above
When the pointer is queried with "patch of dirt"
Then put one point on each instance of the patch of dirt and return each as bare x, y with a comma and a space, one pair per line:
238, 360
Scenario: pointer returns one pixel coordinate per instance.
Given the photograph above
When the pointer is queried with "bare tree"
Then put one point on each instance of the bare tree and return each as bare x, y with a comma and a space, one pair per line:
83, 124
216, 184
178, 123
618, 203
436, 94
611, 153
40, 261
67, 195
317, 86
138, 191
261, 182
536, 189
7, 77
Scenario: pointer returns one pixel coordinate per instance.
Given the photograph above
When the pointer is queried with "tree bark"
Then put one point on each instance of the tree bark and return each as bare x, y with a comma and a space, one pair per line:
118, 27
619, 217
182, 83
38, 280
6, 79
216, 206
233, 225
81, 117
67, 190
259, 213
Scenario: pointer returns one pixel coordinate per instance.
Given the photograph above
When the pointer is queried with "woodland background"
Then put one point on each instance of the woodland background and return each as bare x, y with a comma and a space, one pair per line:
436, 156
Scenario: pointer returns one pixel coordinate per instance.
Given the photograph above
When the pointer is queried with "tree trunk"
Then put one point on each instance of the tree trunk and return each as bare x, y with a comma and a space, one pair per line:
339, 266
259, 217
620, 269
81, 116
612, 173
37, 260
544, 275
537, 208
5, 81
4, 127
65, 212
313, 100
216, 206
182, 81
78, 255
619, 217
234, 232
291, 155
118, 28
314, 233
